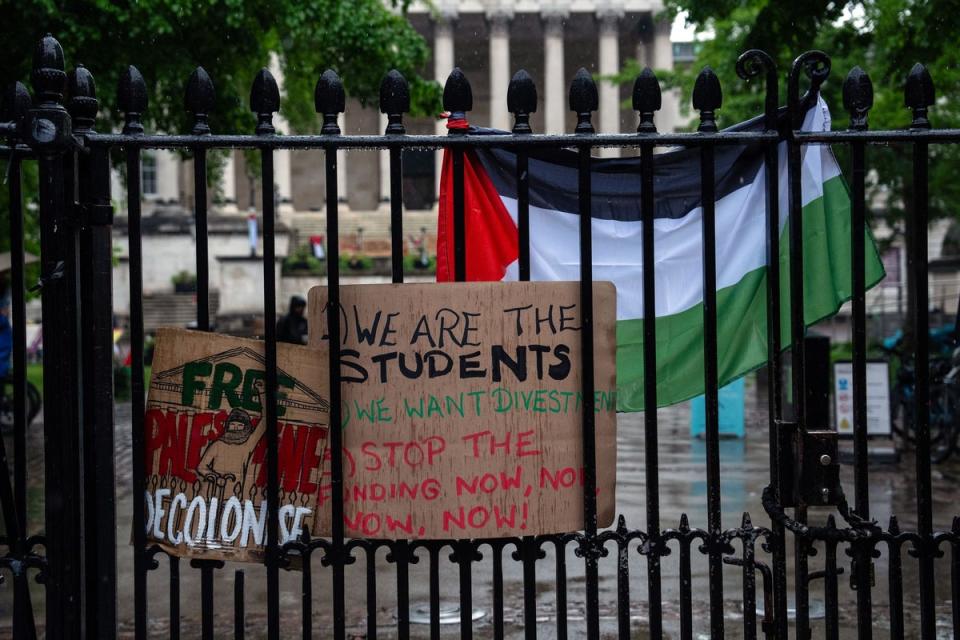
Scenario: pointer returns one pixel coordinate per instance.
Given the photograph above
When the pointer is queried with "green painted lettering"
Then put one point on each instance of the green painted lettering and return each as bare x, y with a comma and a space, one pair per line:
191, 385
225, 386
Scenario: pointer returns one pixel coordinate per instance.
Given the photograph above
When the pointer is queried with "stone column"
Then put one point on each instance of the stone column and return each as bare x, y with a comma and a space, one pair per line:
342, 185
608, 20
555, 93
281, 157
661, 49
384, 160
499, 21
284, 185
168, 178
229, 183
660, 54
443, 63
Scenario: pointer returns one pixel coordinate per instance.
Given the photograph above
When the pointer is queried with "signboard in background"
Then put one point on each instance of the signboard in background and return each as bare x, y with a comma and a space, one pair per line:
206, 471
731, 422
891, 266
878, 397
462, 408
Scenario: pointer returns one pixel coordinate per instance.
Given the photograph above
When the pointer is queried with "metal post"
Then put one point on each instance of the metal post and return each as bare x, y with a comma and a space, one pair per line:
50, 137
96, 308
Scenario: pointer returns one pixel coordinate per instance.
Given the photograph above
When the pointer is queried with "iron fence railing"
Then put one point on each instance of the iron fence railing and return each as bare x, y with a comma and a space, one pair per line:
75, 556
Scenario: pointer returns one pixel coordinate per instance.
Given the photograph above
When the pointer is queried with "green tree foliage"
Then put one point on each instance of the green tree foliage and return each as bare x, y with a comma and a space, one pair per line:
232, 40
884, 37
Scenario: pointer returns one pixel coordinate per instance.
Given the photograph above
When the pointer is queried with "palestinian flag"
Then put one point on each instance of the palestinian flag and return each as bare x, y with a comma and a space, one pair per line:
492, 247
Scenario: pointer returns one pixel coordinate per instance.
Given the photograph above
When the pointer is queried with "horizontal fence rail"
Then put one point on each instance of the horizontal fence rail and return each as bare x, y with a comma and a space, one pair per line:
81, 580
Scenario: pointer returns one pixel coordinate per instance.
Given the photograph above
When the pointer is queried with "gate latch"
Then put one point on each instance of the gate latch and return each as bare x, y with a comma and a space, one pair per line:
818, 482
809, 467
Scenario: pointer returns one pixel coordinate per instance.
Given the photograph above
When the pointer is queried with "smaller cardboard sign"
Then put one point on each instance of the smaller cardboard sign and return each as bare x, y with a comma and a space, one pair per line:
878, 398
206, 466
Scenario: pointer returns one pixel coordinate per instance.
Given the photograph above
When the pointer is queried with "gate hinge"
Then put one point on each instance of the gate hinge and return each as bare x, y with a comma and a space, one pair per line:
809, 468
94, 215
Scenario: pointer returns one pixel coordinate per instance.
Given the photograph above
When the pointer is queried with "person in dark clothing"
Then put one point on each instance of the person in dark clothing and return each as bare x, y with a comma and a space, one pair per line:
6, 341
6, 330
292, 327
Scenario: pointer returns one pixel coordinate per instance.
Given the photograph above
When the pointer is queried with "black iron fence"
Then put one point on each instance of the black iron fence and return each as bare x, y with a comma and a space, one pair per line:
75, 557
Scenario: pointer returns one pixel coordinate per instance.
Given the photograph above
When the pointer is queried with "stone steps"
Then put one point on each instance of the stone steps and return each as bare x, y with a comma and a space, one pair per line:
174, 309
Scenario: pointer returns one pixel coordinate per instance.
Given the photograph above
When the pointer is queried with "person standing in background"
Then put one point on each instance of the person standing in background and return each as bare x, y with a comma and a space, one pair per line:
6, 329
292, 327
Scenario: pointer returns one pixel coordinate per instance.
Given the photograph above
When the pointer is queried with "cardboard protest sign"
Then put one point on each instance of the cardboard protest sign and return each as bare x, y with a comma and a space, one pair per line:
462, 408
206, 461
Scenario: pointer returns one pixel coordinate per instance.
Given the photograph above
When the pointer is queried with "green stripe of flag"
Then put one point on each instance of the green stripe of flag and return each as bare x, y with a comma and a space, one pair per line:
742, 310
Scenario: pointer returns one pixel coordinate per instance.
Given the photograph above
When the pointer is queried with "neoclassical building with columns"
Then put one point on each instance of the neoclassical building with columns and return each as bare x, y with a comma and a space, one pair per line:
488, 40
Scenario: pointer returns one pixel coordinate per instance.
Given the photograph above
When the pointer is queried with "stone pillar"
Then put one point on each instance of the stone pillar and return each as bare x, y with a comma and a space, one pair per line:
363, 175
281, 157
499, 21
661, 49
281, 176
660, 54
555, 93
443, 63
168, 178
229, 183
608, 20
384, 158
342, 184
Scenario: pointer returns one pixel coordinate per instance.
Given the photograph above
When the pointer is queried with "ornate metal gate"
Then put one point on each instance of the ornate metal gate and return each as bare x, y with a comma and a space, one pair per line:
75, 556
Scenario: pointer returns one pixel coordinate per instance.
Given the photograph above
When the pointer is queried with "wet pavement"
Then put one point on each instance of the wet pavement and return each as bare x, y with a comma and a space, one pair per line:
744, 473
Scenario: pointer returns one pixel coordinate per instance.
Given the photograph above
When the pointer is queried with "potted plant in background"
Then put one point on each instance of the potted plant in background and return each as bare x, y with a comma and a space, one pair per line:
184, 282
303, 263
356, 262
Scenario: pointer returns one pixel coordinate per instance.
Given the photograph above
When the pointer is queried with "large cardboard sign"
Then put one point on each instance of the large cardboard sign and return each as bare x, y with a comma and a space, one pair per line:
462, 408
206, 462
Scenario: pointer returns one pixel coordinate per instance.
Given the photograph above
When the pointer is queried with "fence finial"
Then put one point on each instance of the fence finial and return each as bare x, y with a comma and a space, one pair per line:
894, 526
394, 100
329, 100
857, 97
522, 100
816, 66
15, 103
83, 104
199, 100
751, 64
707, 98
646, 99
918, 95
583, 99
457, 94
264, 101
132, 99
48, 74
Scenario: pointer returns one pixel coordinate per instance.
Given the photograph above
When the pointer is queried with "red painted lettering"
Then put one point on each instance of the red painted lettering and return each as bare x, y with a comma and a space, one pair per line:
504, 520
523, 441
478, 517
156, 423
369, 451
310, 459
458, 519
406, 525
511, 482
